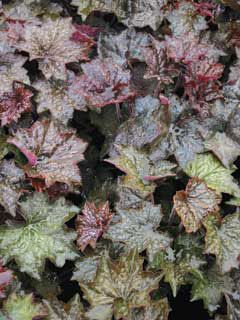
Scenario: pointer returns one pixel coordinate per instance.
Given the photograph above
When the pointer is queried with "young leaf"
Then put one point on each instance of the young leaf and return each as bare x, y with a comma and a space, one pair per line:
195, 203
10, 185
137, 229
14, 103
42, 236
177, 271
139, 169
93, 222
121, 285
22, 307
50, 44
103, 83
223, 241
211, 288
138, 13
216, 176
53, 152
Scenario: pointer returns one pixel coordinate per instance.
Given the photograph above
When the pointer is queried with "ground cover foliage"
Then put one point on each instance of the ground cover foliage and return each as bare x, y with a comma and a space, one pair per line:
119, 159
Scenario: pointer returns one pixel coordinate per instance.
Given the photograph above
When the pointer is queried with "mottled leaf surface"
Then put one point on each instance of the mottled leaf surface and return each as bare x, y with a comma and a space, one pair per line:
195, 203
52, 150
42, 236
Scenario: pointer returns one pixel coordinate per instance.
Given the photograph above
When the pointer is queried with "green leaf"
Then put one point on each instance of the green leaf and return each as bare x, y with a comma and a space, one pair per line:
121, 285
209, 168
211, 288
177, 271
195, 203
224, 241
42, 236
140, 171
137, 229
21, 307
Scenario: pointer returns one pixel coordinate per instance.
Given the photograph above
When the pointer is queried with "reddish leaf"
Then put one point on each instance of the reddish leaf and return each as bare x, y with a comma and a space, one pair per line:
103, 83
85, 34
6, 277
13, 104
158, 64
92, 224
53, 152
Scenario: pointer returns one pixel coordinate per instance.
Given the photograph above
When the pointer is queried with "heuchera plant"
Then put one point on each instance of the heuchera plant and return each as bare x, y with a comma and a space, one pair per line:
119, 159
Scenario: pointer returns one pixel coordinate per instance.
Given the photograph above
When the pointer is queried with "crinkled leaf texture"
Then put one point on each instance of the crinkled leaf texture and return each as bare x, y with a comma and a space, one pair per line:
60, 100
216, 176
22, 307
50, 44
137, 229
92, 224
158, 310
14, 103
138, 13
103, 83
195, 203
10, 185
11, 69
140, 170
53, 152
224, 241
121, 285
42, 236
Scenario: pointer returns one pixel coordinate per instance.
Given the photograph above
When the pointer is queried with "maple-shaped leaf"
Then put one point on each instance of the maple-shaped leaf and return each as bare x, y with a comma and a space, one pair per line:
50, 238
223, 240
195, 203
93, 222
184, 19
224, 148
50, 44
73, 310
158, 310
53, 152
22, 307
6, 276
11, 69
60, 101
177, 270
137, 229
216, 176
121, 285
125, 47
103, 83
14, 103
10, 185
138, 13
211, 288
140, 170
